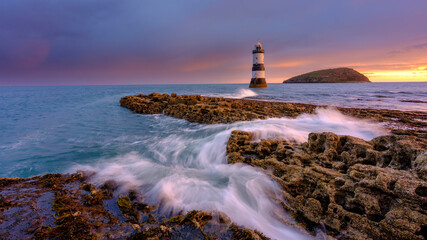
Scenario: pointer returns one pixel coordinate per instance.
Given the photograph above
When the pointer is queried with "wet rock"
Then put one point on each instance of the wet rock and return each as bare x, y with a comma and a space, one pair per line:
110, 185
244, 233
4, 203
128, 208
56, 206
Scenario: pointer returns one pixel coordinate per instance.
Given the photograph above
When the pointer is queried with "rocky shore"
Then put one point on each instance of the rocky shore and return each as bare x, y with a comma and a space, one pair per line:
60, 206
356, 189
349, 187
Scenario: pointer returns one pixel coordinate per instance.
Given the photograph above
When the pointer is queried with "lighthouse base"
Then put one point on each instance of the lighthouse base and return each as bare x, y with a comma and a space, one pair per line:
258, 83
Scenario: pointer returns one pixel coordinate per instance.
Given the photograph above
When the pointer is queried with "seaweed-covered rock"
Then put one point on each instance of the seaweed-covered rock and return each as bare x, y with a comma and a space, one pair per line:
56, 206
196, 108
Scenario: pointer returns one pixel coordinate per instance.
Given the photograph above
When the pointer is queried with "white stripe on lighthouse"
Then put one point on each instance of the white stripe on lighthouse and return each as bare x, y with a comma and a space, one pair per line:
258, 74
258, 58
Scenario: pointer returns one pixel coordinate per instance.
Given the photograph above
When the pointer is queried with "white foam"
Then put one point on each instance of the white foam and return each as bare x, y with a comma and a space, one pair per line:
239, 94
243, 93
324, 120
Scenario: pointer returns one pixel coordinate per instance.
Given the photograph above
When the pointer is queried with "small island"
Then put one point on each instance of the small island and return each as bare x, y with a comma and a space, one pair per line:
335, 75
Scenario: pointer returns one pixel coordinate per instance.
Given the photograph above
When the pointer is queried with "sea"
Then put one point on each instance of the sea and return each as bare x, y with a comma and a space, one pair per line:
63, 129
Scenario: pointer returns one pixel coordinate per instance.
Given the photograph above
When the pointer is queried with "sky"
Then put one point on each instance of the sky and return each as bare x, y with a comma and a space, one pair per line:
62, 42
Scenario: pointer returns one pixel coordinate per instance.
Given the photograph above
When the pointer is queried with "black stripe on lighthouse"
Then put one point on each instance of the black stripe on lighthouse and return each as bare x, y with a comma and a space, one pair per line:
257, 81
258, 67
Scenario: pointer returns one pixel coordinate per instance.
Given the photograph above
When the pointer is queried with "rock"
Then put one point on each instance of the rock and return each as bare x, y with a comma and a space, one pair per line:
335, 75
200, 109
359, 189
244, 233
420, 165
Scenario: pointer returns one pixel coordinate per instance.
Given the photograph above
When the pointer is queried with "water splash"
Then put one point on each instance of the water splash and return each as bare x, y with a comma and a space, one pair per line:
189, 170
243, 93
239, 94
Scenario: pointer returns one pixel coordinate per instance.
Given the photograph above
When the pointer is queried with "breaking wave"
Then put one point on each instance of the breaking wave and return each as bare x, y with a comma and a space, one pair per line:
188, 170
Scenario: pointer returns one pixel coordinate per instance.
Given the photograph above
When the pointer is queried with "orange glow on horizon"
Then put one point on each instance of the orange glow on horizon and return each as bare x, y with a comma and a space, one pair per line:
398, 76
418, 74
397, 73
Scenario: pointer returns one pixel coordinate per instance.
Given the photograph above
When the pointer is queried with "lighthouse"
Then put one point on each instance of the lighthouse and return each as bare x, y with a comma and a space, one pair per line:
258, 70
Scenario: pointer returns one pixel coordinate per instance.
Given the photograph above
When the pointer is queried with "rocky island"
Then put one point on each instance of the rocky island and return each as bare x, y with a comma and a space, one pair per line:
349, 187
335, 75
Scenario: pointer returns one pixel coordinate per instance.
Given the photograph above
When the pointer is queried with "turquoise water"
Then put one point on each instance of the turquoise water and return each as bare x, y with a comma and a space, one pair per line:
66, 128
49, 129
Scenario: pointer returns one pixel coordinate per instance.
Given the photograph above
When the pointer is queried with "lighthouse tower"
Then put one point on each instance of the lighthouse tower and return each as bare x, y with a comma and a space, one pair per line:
258, 70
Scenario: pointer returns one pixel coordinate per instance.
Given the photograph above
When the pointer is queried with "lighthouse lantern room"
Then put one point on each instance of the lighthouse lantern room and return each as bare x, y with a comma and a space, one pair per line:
258, 70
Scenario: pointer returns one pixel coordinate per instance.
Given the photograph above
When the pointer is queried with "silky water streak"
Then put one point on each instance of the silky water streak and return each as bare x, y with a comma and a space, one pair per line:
188, 170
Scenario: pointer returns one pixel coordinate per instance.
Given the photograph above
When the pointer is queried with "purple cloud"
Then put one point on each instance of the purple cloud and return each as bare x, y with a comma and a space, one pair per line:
131, 42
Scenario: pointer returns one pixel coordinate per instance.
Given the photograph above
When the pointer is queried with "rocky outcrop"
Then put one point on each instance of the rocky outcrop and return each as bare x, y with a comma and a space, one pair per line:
56, 206
335, 75
196, 108
358, 189
200, 109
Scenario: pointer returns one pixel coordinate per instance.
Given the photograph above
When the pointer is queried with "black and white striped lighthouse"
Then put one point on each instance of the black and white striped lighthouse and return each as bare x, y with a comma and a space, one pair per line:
258, 70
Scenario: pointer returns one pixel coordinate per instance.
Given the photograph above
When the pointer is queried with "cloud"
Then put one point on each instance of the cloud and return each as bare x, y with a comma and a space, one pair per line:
185, 41
419, 48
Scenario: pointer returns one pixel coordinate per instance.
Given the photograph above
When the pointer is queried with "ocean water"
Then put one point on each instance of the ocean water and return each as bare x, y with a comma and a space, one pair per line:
181, 164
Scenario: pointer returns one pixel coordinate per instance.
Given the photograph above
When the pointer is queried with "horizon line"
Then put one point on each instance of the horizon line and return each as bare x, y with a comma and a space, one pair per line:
151, 84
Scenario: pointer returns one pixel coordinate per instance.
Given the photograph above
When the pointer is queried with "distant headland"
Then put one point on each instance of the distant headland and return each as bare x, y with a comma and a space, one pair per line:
335, 75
